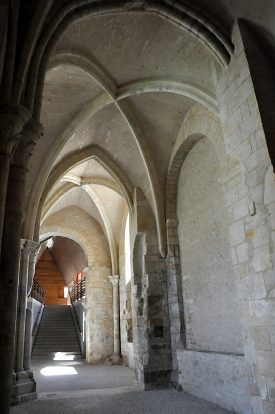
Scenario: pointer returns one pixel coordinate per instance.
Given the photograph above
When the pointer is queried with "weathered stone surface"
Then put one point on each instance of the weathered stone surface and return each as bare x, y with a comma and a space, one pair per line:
220, 378
208, 276
161, 111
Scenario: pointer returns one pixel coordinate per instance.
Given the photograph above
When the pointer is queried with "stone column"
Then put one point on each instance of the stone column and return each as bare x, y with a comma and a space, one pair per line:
29, 251
34, 250
175, 297
10, 258
99, 315
115, 282
28, 337
21, 305
12, 121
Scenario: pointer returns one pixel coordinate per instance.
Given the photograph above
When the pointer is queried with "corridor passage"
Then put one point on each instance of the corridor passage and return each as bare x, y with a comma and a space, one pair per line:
72, 387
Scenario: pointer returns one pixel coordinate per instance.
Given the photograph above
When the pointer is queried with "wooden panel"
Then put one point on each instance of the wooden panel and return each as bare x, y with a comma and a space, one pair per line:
49, 277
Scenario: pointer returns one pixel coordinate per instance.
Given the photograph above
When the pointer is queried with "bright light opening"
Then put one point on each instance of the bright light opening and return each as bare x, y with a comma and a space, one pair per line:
50, 243
127, 251
62, 356
66, 292
54, 371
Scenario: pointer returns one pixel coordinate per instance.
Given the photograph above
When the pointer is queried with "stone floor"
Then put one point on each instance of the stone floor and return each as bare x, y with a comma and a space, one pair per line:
72, 387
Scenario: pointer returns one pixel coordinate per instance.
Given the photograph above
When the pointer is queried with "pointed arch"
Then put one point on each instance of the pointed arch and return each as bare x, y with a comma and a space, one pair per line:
77, 158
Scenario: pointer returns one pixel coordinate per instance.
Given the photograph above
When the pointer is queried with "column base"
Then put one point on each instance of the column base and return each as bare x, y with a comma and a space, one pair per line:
23, 387
174, 380
151, 379
115, 360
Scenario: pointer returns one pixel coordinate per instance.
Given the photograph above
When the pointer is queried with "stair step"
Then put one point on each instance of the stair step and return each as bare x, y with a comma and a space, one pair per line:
56, 344
56, 333
50, 346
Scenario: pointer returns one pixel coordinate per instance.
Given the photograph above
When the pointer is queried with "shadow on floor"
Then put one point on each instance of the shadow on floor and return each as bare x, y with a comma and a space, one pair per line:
72, 387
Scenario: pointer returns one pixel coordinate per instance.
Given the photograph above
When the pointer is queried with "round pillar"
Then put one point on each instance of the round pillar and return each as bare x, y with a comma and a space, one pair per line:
115, 282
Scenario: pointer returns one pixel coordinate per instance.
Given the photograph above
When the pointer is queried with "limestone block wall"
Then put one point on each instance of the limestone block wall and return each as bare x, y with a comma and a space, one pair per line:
99, 315
249, 200
246, 181
209, 291
158, 314
150, 316
212, 365
218, 377
201, 276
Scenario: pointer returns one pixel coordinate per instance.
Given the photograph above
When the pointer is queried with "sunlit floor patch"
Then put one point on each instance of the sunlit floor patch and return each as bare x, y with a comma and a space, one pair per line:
54, 371
62, 356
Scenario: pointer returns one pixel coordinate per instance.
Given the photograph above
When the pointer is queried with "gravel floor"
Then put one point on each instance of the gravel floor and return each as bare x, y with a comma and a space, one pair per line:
104, 390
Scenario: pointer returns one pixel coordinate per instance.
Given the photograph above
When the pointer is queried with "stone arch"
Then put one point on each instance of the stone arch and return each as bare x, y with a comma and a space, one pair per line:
208, 277
74, 223
202, 128
199, 122
33, 217
190, 90
185, 18
71, 185
117, 95
44, 235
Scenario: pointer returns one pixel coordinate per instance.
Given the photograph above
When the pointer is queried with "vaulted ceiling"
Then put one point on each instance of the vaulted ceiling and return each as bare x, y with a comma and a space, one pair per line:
120, 84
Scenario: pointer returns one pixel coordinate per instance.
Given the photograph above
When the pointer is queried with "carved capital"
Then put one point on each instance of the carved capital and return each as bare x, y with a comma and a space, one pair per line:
34, 251
31, 133
85, 272
114, 279
172, 223
22, 244
29, 249
12, 120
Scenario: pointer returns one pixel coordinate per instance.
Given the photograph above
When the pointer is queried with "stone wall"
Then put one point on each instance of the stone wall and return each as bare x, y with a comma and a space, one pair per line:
250, 233
222, 378
209, 291
99, 315
243, 192
151, 329
212, 366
